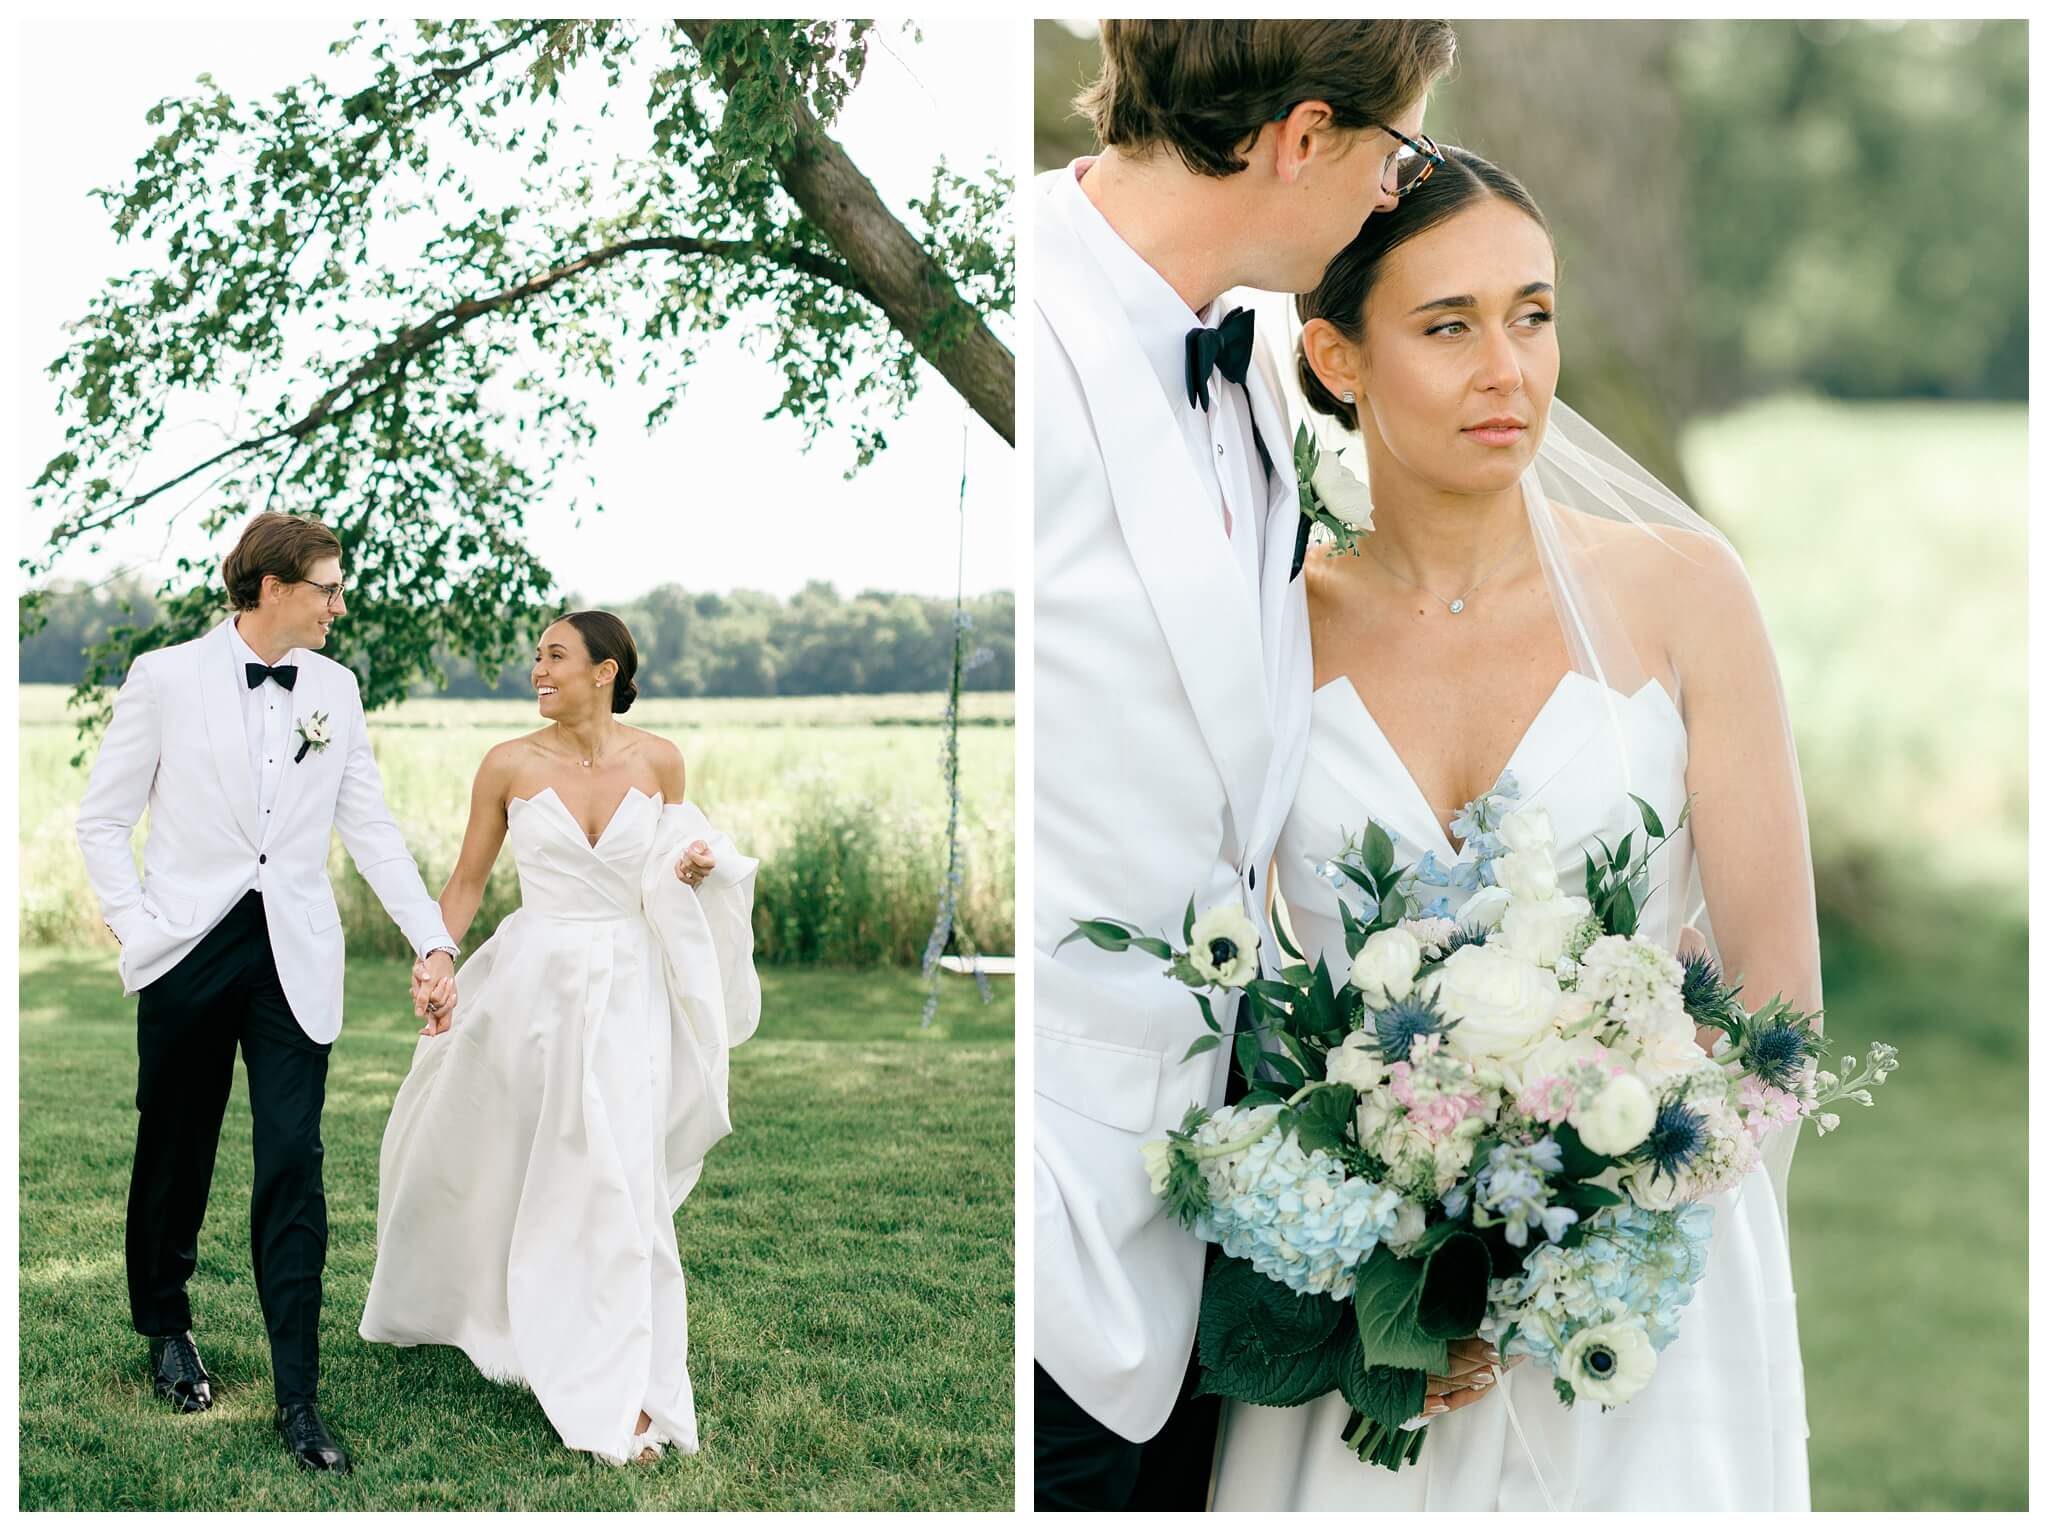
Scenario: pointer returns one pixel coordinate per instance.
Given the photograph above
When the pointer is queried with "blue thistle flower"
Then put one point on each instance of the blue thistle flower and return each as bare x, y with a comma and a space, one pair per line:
1776, 1053
1397, 1026
1709, 1000
1678, 1137
1466, 935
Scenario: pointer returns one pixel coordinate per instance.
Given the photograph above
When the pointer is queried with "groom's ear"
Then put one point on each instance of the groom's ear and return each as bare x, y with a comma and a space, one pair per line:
1304, 135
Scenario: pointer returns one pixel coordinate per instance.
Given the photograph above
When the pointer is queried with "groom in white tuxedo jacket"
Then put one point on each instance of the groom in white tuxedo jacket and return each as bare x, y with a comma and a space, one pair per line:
1172, 665
248, 749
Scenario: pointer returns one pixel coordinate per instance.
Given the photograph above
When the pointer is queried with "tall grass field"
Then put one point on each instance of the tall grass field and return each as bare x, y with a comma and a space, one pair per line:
1888, 546
848, 1252
842, 799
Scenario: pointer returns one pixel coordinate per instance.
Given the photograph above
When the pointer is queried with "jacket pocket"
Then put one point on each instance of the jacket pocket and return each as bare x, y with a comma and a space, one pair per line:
169, 908
1103, 1081
323, 915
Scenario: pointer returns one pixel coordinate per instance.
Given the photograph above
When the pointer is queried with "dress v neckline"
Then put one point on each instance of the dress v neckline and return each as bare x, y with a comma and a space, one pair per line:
1419, 799
581, 833
1516, 762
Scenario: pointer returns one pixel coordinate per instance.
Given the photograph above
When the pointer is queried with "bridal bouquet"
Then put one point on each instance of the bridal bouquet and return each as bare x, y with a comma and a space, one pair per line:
1497, 1124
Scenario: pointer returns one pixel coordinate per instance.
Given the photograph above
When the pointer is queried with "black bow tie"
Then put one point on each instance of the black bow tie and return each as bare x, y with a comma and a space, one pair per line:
286, 675
1227, 348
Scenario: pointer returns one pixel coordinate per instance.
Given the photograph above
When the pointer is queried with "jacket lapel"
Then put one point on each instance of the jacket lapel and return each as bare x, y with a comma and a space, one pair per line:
1283, 604
1182, 557
227, 734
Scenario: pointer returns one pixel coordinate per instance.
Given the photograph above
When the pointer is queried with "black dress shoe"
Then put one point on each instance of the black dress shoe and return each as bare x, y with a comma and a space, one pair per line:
175, 1367
306, 1438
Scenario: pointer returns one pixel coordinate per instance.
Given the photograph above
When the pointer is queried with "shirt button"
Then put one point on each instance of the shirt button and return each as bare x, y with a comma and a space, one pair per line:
1219, 449
260, 860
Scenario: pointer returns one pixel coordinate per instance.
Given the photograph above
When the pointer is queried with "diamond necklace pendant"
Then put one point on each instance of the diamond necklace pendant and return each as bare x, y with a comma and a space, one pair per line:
1456, 606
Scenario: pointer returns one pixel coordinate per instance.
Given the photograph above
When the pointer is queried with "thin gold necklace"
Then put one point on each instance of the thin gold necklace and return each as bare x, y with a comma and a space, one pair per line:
1456, 604
572, 753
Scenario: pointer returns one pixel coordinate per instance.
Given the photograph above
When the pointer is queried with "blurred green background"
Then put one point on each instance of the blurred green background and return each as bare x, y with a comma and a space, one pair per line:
1794, 284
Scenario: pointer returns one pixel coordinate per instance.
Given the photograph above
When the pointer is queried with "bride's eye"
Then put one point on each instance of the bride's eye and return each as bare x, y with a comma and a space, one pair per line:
1447, 327
1540, 316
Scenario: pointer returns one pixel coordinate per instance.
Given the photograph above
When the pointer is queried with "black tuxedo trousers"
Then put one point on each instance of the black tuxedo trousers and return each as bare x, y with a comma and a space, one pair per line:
225, 994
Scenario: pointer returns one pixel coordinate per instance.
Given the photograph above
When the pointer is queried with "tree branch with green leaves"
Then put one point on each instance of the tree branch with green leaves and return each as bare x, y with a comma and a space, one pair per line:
403, 285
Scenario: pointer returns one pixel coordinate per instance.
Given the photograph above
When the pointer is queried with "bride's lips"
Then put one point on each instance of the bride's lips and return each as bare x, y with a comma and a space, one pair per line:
542, 693
1502, 431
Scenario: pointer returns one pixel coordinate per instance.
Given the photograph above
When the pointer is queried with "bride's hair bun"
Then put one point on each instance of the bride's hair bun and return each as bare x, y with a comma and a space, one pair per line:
606, 637
1461, 180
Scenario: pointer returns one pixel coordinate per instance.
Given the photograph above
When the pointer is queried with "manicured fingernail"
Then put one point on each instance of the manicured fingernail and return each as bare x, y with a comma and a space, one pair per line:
1435, 1407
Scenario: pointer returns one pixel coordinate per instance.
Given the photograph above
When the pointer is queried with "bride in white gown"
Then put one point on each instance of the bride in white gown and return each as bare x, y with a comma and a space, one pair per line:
1532, 603
541, 1144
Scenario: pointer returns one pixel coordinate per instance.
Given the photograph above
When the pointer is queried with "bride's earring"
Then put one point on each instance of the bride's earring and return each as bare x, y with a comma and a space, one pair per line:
1350, 397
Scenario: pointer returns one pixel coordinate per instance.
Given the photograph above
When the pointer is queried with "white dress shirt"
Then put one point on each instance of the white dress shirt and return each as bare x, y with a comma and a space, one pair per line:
1219, 439
267, 717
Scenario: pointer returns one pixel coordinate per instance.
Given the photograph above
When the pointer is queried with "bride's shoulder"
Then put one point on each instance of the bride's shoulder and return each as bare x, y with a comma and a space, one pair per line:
664, 755
1678, 574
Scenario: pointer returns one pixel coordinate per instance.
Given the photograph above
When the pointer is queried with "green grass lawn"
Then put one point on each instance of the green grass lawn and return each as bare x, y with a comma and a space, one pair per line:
1909, 1229
849, 1254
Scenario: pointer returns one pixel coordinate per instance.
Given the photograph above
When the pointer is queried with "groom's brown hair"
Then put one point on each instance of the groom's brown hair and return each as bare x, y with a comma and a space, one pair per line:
275, 543
1204, 88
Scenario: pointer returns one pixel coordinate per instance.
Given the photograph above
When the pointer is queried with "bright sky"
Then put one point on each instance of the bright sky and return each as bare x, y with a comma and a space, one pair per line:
685, 504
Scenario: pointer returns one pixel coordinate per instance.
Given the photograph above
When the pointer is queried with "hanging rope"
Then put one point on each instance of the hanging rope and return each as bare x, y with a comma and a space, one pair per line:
948, 927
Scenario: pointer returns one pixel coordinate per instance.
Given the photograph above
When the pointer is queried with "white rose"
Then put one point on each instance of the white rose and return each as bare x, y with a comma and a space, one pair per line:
1409, 1222
1502, 1004
1484, 908
1618, 1118
1341, 492
1384, 969
1609, 1363
1666, 1051
1356, 1062
1527, 829
1527, 874
1540, 929
1552, 1056
1224, 947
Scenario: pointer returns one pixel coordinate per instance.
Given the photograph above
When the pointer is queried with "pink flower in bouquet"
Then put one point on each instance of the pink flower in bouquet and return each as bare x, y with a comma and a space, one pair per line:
1767, 1108
1433, 1109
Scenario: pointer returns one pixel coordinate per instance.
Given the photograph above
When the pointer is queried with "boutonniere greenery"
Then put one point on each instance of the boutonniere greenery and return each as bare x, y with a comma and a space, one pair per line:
314, 734
1332, 496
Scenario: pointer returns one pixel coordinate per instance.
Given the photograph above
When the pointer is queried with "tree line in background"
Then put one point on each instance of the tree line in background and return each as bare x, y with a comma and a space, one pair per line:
816, 643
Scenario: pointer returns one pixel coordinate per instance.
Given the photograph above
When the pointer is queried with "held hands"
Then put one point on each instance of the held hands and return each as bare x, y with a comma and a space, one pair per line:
696, 863
433, 992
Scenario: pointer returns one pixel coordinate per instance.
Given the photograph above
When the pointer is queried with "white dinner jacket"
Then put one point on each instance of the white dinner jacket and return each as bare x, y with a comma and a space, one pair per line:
178, 746
1171, 720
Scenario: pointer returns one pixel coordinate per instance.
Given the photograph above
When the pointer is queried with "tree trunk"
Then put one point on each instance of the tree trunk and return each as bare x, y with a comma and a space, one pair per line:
910, 287
1585, 115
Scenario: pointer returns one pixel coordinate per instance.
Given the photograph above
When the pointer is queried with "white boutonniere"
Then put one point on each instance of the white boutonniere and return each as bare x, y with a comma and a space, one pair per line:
1332, 496
314, 734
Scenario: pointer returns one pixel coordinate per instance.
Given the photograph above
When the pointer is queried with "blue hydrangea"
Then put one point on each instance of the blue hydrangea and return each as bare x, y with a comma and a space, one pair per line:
1298, 1217
1633, 1262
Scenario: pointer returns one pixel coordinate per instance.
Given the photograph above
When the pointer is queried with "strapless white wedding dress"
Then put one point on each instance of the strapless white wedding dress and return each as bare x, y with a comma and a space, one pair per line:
1723, 1425
539, 1147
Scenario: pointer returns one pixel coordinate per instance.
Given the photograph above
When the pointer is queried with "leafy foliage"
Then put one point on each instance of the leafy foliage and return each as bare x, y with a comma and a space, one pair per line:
424, 401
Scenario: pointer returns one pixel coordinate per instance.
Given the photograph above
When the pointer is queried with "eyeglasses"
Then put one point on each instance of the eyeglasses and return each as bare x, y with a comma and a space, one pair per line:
1411, 163
333, 592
